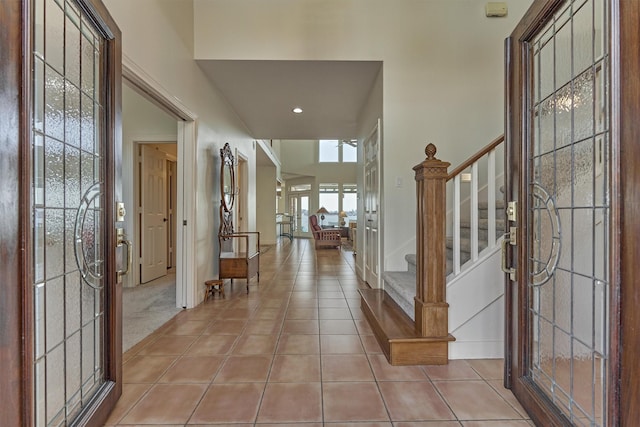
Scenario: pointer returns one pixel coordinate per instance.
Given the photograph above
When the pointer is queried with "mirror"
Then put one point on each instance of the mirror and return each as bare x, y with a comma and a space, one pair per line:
227, 178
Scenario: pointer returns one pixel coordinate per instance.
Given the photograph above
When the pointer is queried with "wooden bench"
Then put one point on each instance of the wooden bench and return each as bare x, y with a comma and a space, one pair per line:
239, 256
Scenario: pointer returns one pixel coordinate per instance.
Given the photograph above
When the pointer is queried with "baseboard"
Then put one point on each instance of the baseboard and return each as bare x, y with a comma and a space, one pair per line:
476, 349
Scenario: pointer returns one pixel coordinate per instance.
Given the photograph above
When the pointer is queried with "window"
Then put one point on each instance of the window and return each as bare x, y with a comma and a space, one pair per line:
328, 151
329, 199
300, 187
349, 153
350, 202
335, 151
337, 198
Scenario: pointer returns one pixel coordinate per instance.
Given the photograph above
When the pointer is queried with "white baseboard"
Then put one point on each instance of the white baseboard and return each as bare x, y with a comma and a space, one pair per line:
476, 349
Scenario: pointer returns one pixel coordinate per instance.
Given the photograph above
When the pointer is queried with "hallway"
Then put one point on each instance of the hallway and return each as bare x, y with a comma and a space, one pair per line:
296, 351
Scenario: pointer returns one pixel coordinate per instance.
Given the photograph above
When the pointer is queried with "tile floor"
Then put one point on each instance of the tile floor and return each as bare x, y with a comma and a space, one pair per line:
296, 351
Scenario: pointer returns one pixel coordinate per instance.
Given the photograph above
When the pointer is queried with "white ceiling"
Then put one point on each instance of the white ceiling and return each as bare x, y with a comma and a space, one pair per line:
263, 93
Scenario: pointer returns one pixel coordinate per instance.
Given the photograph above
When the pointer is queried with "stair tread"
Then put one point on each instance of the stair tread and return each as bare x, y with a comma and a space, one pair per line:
404, 282
400, 276
465, 244
483, 224
410, 258
485, 205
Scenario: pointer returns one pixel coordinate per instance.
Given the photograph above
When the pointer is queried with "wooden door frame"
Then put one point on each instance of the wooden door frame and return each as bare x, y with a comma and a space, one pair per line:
625, 106
16, 293
14, 182
624, 342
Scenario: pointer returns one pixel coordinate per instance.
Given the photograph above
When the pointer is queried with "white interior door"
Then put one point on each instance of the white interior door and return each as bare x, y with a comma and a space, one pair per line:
153, 193
371, 246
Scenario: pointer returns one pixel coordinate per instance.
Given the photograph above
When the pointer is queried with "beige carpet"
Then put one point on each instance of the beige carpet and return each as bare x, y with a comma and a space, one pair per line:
147, 307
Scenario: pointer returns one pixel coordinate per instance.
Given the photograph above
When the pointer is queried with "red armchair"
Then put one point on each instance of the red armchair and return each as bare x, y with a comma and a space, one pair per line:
324, 237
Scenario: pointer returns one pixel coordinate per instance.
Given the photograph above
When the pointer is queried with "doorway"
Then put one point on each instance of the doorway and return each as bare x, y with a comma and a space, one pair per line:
152, 301
184, 216
153, 207
241, 191
299, 210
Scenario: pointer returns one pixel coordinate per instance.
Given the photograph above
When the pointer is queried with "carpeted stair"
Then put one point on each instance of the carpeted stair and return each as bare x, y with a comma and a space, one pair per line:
401, 285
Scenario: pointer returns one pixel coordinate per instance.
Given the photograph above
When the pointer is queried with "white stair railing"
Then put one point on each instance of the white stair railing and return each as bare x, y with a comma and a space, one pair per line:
474, 180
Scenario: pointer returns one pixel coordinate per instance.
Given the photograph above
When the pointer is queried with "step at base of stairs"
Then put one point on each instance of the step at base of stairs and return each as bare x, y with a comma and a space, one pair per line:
396, 334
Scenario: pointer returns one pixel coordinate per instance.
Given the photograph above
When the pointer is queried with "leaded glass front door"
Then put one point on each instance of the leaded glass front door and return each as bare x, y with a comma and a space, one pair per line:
75, 348
561, 177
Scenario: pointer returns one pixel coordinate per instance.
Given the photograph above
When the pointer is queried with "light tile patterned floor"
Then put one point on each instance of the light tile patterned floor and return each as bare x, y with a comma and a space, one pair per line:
296, 351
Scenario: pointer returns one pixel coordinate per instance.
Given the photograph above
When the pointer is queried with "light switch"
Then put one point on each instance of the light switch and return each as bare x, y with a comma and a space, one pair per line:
398, 181
496, 9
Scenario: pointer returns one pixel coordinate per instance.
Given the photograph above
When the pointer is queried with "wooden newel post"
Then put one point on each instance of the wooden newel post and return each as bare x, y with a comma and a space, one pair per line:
431, 308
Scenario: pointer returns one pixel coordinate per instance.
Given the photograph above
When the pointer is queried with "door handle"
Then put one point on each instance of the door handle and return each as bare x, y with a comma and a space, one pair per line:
121, 240
509, 240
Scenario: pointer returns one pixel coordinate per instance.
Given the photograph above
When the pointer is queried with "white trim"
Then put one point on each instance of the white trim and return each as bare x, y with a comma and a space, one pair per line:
141, 81
270, 154
185, 218
380, 203
241, 194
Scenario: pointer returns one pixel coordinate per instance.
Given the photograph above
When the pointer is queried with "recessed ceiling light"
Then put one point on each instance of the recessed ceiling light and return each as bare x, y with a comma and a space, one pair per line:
297, 110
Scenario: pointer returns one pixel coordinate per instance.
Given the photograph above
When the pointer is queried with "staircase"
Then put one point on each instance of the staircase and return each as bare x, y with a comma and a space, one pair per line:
401, 285
474, 281
468, 310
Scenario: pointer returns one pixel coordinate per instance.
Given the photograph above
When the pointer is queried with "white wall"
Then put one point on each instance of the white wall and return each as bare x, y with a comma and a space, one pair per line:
443, 71
158, 37
266, 200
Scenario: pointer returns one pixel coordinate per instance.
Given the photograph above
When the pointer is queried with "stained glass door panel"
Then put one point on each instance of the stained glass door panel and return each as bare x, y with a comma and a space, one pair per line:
68, 210
566, 217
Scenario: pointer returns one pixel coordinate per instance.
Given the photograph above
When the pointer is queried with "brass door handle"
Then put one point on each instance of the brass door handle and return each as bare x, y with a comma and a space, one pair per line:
122, 241
507, 241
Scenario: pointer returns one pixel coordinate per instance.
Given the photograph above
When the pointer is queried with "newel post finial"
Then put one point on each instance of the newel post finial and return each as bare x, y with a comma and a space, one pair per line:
430, 151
